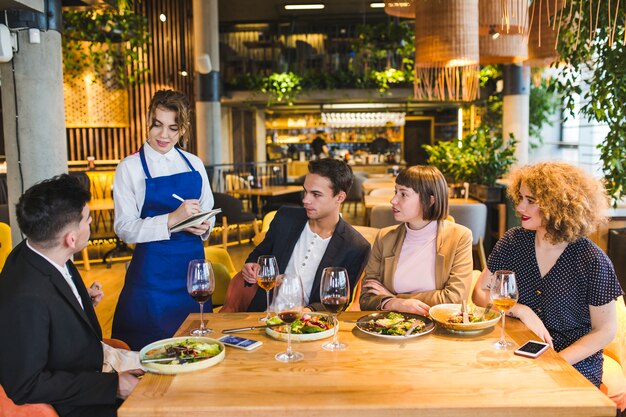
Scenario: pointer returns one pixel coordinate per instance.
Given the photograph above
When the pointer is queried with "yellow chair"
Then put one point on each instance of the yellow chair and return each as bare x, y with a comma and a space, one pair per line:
265, 226
222, 280
6, 244
614, 367
215, 254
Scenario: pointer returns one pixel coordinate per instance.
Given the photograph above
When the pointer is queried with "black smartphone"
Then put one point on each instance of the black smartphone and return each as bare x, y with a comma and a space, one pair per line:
532, 349
240, 342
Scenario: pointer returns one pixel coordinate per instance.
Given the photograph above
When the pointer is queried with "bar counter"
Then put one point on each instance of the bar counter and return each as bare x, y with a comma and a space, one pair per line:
439, 374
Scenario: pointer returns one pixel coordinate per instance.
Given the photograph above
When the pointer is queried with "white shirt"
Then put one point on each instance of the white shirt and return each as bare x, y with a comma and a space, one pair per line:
63, 270
306, 258
129, 192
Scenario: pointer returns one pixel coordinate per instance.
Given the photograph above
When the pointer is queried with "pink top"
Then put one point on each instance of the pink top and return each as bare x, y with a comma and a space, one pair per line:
416, 265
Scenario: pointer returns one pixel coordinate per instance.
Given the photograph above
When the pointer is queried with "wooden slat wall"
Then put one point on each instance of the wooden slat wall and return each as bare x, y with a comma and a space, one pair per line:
164, 57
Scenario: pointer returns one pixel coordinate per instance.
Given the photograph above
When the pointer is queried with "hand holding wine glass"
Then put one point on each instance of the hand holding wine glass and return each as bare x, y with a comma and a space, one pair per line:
266, 278
503, 294
288, 304
200, 285
334, 294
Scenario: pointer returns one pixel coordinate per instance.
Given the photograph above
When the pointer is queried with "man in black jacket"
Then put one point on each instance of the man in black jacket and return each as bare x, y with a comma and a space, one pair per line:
307, 240
51, 350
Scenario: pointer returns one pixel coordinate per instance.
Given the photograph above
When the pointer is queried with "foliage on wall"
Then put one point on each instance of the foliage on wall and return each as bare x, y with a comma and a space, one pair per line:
107, 41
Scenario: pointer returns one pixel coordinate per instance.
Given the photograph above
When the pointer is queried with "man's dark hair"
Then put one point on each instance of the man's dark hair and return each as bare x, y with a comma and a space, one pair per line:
46, 208
338, 172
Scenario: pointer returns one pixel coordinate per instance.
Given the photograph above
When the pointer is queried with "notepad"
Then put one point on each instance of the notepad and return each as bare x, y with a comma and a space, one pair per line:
194, 220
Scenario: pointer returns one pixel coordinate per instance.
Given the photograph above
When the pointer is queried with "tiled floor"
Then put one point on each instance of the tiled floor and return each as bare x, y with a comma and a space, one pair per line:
113, 279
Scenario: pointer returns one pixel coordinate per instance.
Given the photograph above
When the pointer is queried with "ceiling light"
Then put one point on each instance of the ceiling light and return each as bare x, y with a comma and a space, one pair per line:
252, 26
162, 17
183, 73
377, 5
493, 32
311, 6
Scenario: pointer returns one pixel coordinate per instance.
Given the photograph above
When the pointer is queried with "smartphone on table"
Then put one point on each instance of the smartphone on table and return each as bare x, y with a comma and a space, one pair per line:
532, 349
240, 342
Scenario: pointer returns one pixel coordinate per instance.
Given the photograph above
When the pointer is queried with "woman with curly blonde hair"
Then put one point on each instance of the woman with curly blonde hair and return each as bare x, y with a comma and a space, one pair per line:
567, 285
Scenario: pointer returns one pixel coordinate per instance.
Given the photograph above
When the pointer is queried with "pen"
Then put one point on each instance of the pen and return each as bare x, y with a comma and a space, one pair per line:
179, 198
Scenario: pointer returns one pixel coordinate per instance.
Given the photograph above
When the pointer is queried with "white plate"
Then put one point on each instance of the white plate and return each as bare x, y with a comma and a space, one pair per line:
362, 325
442, 312
305, 337
160, 368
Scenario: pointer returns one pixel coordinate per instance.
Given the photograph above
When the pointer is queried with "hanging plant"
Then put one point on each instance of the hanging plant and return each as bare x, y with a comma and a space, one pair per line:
107, 42
282, 87
595, 72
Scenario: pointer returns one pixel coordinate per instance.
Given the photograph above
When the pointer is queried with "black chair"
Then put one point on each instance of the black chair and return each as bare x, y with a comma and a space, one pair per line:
232, 213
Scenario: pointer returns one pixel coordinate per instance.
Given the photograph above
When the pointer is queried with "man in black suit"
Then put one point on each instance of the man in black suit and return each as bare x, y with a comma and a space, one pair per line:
51, 350
307, 240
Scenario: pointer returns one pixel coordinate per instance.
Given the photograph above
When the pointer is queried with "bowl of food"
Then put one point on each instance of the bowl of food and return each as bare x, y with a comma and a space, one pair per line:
449, 316
309, 327
181, 354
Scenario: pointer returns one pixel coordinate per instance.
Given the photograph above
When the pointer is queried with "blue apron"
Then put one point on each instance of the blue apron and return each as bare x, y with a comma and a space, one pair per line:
154, 301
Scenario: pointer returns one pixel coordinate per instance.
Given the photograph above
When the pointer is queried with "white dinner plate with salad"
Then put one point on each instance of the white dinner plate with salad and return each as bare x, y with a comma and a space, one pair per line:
394, 325
309, 327
181, 354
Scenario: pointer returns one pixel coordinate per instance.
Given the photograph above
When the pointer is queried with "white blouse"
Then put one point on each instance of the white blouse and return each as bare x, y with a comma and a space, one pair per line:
129, 192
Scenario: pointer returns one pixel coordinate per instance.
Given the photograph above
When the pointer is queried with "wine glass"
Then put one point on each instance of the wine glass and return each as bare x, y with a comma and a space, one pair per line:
334, 293
503, 294
200, 285
288, 304
266, 278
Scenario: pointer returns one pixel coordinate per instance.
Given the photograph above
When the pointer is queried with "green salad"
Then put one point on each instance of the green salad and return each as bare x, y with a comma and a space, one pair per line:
393, 324
186, 351
308, 323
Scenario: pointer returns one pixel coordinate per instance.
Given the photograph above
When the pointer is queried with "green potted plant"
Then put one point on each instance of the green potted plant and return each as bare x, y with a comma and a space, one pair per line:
106, 41
480, 158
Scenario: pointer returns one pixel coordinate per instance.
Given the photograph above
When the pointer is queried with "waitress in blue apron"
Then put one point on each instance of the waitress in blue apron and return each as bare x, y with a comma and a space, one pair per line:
154, 301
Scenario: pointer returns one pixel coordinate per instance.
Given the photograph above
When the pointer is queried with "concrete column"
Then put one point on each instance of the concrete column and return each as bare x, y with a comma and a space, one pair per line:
33, 115
515, 108
208, 109
261, 140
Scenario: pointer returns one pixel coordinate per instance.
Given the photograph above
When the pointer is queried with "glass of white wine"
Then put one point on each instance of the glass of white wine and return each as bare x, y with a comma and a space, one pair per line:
503, 294
266, 278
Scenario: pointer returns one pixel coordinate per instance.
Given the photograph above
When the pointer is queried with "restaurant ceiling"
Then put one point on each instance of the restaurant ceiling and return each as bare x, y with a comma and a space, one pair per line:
273, 10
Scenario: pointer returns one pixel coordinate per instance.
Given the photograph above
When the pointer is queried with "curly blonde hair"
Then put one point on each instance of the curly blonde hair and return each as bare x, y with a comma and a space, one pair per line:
177, 102
572, 202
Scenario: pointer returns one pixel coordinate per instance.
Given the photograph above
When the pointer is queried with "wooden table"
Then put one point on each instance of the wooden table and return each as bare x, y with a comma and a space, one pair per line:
267, 191
439, 374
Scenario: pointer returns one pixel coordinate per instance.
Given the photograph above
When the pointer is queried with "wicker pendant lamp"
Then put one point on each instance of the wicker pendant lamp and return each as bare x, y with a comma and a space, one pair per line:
543, 32
400, 8
497, 46
446, 50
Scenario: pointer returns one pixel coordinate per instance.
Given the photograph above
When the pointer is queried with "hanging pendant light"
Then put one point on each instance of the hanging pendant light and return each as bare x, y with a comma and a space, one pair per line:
497, 45
400, 8
545, 18
446, 50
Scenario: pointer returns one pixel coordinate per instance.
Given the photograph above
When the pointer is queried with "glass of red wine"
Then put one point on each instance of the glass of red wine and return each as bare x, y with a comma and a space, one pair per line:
266, 278
288, 305
335, 293
200, 285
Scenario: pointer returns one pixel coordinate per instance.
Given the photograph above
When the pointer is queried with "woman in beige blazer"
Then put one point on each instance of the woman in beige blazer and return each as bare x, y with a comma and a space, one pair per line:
439, 266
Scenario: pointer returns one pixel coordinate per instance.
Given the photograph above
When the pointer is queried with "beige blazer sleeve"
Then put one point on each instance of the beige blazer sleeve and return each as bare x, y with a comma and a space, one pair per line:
453, 268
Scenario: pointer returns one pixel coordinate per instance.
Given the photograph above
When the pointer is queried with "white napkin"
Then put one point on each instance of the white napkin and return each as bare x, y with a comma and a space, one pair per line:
119, 360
